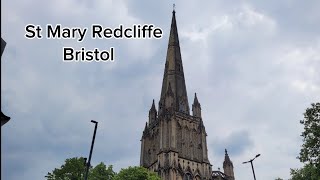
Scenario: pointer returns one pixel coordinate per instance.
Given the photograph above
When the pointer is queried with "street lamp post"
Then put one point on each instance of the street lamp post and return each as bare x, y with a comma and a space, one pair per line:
92, 143
254, 175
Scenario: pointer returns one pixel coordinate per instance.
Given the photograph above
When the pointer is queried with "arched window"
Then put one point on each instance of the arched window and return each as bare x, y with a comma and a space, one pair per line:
187, 176
197, 177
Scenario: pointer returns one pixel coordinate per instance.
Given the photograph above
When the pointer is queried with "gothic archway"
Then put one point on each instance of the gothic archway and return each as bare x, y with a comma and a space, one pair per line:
188, 176
197, 177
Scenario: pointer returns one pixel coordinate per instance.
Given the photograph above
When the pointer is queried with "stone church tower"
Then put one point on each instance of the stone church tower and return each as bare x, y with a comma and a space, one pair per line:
174, 142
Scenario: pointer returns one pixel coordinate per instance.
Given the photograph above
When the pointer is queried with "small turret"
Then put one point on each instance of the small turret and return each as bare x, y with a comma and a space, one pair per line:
152, 113
228, 166
196, 107
146, 127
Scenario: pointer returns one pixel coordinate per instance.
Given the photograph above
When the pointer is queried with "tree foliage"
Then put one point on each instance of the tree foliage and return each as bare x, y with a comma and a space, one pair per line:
101, 172
136, 173
310, 150
74, 169
309, 172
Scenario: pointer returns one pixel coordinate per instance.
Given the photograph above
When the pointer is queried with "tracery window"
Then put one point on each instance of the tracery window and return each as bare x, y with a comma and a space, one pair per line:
187, 176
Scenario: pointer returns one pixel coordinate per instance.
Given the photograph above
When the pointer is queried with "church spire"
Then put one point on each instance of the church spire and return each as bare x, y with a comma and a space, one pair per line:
173, 73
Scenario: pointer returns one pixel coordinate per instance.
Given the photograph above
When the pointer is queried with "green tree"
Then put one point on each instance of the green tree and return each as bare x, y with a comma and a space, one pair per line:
74, 169
310, 151
136, 173
101, 172
309, 172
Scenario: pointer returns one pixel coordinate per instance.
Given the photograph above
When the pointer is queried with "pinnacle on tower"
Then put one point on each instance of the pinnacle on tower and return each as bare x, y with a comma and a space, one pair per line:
146, 130
152, 113
195, 101
227, 160
153, 107
228, 166
196, 107
146, 127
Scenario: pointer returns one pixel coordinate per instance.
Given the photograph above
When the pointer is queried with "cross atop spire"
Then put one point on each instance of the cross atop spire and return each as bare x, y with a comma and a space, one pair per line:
173, 73
174, 7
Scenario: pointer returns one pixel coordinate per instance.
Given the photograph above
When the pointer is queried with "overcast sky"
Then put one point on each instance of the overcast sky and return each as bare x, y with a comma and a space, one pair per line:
254, 65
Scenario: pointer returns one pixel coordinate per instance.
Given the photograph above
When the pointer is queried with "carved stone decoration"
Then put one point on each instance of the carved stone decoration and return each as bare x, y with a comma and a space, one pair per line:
182, 104
166, 161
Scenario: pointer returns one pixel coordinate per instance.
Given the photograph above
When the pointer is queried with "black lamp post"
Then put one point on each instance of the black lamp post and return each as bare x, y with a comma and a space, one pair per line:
254, 175
92, 143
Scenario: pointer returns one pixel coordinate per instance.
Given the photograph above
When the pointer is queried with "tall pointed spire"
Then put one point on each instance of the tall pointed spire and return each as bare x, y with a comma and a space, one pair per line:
170, 138
173, 73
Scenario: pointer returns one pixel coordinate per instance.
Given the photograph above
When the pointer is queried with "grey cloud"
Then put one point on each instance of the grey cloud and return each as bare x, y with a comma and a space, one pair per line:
236, 143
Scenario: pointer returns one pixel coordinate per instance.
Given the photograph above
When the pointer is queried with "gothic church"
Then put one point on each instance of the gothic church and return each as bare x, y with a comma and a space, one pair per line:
174, 142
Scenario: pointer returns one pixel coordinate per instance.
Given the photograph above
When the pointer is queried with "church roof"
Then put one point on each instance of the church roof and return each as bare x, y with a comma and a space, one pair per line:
217, 175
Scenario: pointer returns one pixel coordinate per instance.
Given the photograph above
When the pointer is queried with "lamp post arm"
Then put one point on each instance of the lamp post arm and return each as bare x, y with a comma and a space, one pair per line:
251, 161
